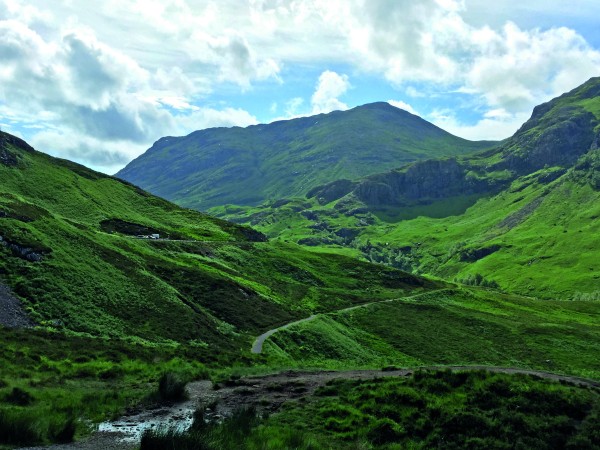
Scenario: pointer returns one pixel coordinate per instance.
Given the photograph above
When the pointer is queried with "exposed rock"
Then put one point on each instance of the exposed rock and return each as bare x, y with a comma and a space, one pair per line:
310, 215
22, 251
475, 254
8, 158
565, 137
423, 182
347, 233
252, 235
331, 191
12, 314
521, 215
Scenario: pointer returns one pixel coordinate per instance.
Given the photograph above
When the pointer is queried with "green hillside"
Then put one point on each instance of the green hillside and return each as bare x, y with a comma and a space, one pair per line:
71, 251
522, 215
95, 312
247, 166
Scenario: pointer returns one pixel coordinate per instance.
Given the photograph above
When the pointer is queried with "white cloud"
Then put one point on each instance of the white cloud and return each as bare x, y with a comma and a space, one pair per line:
330, 87
403, 105
127, 72
495, 125
292, 106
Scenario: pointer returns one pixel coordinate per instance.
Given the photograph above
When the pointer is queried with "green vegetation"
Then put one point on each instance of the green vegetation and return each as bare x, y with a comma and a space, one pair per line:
115, 312
523, 215
247, 166
463, 327
443, 409
123, 320
55, 386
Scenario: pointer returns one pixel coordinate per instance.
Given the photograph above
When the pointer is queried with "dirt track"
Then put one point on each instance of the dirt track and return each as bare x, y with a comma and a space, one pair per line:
267, 393
260, 340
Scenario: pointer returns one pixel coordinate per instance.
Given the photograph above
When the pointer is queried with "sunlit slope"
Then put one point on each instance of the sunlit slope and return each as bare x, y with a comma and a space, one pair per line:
71, 253
523, 215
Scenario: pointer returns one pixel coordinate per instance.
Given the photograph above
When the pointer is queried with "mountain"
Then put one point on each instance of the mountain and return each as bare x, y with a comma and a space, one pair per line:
247, 166
522, 214
71, 251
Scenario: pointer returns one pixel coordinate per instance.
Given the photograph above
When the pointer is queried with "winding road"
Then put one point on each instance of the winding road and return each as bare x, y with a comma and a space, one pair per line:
257, 346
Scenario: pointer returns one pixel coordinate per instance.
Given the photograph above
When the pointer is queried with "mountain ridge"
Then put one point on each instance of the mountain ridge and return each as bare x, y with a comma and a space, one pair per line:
469, 215
248, 165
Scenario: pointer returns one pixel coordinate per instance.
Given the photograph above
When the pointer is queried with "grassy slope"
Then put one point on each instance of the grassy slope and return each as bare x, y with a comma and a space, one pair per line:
469, 327
246, 166
115, 312
439, 410
542, 227
208, 286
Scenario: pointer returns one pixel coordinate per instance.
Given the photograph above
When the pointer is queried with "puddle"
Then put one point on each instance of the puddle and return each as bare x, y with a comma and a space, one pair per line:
132, 427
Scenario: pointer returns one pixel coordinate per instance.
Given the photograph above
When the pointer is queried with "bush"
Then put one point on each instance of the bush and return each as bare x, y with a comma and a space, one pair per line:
63, 431
19, 397
17, 428
171, 388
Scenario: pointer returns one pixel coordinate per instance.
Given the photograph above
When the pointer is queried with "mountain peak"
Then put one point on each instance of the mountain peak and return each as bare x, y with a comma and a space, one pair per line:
247, 166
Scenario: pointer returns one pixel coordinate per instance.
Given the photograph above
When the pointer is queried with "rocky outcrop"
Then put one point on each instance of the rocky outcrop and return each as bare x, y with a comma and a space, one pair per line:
22, 251
331, 191
557, 141
12, 314
7, 157
558, 134
422, 182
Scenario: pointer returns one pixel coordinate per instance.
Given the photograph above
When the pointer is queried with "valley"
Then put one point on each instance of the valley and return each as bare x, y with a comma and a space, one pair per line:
443, 292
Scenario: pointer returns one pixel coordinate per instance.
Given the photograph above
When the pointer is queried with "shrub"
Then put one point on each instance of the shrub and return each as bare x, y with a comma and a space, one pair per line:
19, 397
63, 431
385, 431
17, 428
171, 388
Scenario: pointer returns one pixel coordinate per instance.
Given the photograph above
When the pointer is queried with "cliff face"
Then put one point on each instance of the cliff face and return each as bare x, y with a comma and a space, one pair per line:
558, 134
421, 182
563, 138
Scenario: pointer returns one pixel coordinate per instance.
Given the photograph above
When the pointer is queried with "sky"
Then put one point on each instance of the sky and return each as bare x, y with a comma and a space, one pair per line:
97, 82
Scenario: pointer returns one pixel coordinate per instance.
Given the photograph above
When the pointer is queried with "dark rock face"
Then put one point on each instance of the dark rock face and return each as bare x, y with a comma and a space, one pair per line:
475, 254
422, 181
555, 136
22, 251
332, 191
7, 158
12, 314
253, 236
566, 137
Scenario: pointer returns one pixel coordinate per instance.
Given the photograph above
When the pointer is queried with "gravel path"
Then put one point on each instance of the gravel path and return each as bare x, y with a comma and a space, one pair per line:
12, 314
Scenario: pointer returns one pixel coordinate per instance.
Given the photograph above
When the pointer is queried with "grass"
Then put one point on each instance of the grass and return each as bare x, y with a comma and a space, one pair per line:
124, 320
463, 327
247, 166
478, 410
114, 312
534, 198
55, 387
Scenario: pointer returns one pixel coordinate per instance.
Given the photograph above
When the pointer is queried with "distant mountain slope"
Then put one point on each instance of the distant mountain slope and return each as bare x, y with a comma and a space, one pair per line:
70, 250
523, 215
247, 166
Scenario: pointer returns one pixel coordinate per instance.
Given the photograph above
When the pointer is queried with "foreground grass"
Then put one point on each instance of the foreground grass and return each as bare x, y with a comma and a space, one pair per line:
476, 410
54, 388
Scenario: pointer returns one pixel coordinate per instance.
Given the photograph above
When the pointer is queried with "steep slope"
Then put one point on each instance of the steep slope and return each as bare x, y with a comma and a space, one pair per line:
523, 215
246, 166
70, 249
